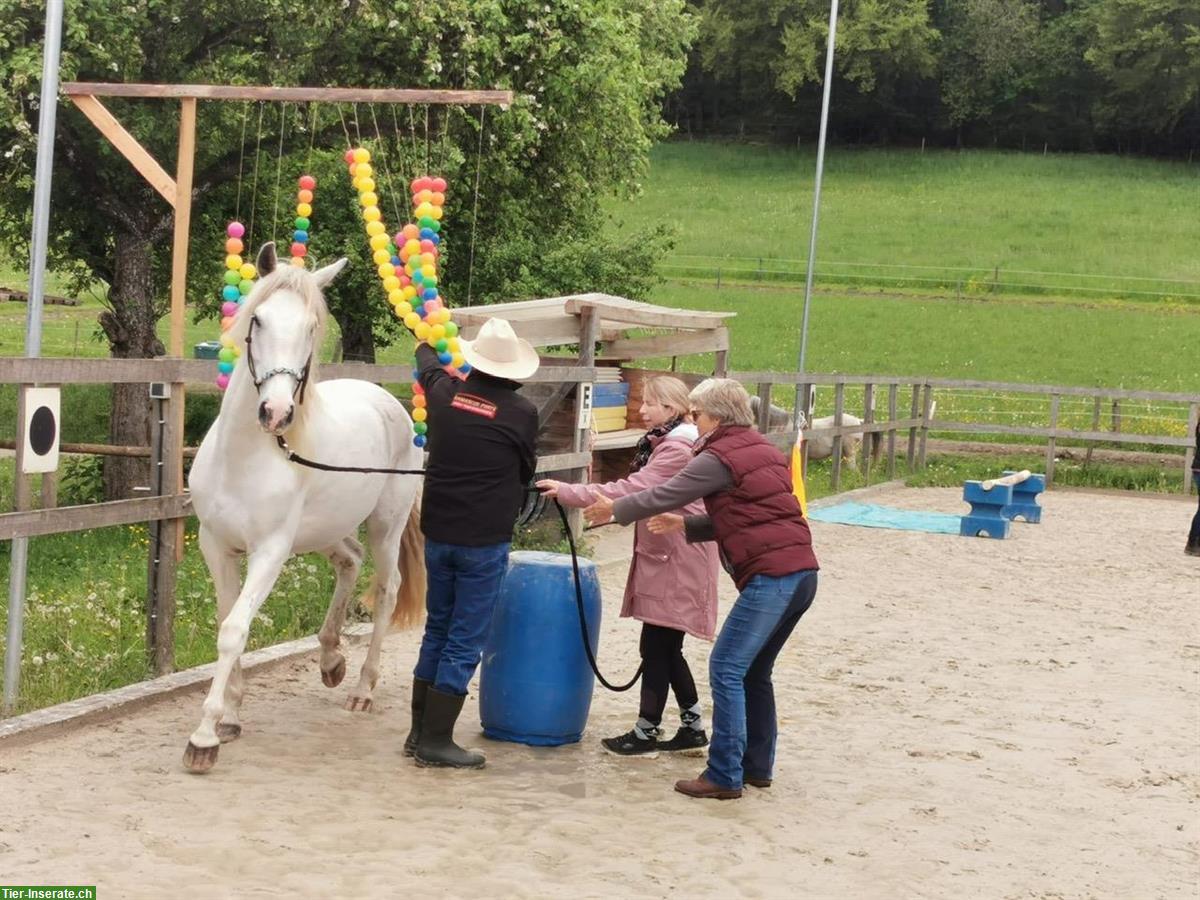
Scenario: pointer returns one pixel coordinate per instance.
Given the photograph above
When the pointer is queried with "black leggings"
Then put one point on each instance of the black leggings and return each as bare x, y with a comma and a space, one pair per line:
663, 666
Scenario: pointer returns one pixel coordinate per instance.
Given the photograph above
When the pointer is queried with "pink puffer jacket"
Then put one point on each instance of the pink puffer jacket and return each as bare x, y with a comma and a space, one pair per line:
671, 583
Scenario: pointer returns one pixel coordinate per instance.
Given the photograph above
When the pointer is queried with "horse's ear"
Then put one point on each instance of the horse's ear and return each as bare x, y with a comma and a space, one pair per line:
329, 272
266, 258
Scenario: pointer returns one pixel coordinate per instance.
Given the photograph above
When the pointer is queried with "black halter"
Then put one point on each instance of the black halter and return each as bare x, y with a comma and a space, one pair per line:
301, 376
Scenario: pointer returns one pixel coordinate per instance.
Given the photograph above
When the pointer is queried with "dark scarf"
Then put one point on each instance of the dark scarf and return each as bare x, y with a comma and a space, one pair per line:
650, 440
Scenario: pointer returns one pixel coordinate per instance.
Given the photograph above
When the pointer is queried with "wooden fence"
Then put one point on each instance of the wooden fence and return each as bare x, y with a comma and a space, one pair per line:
907, 417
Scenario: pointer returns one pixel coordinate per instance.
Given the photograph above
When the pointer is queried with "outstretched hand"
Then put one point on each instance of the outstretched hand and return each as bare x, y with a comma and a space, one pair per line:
665, 523
549, 487
600, 512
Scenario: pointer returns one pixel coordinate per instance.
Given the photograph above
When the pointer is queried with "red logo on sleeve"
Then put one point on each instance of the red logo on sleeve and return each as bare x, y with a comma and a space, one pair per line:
475, 405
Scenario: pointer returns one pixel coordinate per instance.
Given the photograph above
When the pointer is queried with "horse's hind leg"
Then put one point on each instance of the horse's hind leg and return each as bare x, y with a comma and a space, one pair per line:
383, 534
346, 557
223, 566
264, 567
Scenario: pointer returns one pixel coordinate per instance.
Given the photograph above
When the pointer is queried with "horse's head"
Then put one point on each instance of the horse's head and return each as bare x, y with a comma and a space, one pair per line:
282, 322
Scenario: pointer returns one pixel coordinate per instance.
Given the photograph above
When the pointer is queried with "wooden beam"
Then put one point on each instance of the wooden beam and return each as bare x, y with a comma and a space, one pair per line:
649, 318
97, 515
183, 222
126, 145
669, 345
289, 94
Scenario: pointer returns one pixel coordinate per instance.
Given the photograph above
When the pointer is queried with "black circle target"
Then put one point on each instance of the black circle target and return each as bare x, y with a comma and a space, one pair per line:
42, 430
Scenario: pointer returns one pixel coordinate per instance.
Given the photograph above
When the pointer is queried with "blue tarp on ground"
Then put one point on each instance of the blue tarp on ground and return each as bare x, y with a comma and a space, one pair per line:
887, 517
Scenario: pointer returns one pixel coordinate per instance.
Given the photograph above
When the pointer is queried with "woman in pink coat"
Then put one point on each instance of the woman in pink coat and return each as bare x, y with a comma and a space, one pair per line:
672, 585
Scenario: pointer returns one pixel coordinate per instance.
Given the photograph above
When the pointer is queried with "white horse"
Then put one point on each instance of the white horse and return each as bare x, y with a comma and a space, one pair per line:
253, 502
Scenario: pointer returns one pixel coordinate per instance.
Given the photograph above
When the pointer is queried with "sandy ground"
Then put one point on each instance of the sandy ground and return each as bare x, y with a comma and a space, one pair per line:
960, 718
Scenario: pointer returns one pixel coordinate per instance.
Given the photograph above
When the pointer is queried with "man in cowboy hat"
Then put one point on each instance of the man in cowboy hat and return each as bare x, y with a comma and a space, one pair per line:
482, 437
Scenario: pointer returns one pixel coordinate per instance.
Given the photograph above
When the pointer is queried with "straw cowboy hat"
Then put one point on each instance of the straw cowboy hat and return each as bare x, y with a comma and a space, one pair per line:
498, 351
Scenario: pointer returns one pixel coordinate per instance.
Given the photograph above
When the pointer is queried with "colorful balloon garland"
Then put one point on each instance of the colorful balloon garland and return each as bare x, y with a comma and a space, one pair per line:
240, 275
408, 269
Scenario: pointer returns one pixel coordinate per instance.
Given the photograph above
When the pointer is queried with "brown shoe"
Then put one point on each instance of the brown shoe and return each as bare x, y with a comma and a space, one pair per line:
704, 789
758, 782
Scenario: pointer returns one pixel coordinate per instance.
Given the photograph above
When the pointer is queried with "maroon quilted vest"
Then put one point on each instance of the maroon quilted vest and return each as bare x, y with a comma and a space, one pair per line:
758, 522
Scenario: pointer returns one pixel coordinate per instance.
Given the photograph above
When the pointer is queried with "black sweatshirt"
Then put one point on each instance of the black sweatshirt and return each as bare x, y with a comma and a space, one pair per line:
482, 453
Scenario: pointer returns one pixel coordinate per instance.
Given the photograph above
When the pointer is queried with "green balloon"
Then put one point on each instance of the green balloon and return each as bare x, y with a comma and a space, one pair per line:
442, 346
420, 427
451, 329
245, 286
232, 277
301, 223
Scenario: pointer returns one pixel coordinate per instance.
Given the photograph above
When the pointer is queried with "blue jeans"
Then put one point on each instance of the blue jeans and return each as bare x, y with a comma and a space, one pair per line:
739, 673
463, 585
1194, 534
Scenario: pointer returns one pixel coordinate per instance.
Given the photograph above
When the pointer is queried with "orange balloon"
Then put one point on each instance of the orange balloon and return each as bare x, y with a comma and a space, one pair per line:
234, 246
304, 196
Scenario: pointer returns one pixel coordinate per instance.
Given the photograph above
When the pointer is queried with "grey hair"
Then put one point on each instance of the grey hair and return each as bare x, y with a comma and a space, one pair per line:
724, 399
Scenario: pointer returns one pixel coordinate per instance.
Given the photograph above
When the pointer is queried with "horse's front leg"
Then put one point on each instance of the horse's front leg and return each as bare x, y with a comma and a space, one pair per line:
263, 568
346, 557
384, 538
222, 563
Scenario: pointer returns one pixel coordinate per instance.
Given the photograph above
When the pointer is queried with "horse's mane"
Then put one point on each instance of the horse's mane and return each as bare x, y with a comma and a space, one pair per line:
291, 278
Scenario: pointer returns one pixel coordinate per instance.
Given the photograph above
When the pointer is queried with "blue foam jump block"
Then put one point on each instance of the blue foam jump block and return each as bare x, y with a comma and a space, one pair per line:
1024, 501
987, 510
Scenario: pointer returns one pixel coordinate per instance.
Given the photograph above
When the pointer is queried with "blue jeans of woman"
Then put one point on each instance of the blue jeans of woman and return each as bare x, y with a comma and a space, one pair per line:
739, 673
1194, 534
463, 584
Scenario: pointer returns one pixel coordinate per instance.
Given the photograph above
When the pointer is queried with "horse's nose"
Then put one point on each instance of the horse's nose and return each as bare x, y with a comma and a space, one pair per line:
264, 415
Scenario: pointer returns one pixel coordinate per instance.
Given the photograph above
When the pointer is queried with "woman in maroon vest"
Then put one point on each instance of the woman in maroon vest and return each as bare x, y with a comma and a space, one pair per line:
765, 544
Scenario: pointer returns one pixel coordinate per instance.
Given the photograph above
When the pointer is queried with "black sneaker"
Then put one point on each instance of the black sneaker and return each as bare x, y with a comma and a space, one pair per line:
686, 738
629, 744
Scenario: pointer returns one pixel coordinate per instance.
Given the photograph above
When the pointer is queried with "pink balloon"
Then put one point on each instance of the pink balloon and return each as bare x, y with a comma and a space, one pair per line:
235, 229
228, 308
222, 381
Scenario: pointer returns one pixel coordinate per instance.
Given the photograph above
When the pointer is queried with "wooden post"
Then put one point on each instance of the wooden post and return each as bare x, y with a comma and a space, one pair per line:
185, 165
914, 411
165, 468
804, 408
589, 330
49, 490
868, 441
926, 416
893, 388
720, 363
835, 472
764, 406
1095, 427
1116, 416
22, 489
1054, 398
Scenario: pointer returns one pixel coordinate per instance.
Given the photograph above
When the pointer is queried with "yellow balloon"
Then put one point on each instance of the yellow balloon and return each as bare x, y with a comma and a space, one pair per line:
233, 261
412, 246
409, 292
226, 340
364, 170
379, 241
298, 262
395, 295
304, 209
453, 345
456, 360
362, 155
368, 198
247, 271
423, 210
420, 415
445, 316
437, 332
366, 184
412, 320
437, 212
429, 271
392, 283
372, 214
386, 269
381, 256
403, 309
374, 228
421, 330
431, 341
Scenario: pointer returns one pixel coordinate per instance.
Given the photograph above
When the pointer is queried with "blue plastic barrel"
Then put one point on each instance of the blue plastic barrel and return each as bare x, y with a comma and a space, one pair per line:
535, 685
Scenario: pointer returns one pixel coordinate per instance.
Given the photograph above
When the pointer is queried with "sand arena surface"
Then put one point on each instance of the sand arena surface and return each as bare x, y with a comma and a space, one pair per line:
960, 718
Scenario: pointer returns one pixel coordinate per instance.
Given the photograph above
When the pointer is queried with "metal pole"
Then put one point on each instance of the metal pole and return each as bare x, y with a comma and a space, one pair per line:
812, 238
33, 321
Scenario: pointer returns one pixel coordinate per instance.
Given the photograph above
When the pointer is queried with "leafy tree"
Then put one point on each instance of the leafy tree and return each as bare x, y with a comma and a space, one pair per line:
588, 77
1147, 53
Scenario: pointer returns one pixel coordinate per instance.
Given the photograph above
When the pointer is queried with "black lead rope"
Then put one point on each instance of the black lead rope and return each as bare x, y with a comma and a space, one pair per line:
562, 514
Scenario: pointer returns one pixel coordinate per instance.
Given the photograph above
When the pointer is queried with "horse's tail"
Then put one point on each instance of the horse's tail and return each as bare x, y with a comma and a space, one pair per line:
410, 601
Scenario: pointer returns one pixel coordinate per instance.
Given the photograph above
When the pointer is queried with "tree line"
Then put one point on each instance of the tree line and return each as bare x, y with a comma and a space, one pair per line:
1070, 75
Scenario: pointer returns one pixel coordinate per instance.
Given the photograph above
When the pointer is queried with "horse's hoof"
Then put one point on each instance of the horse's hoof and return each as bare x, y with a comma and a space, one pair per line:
334, 676
358, 704
199, 760
228, 732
